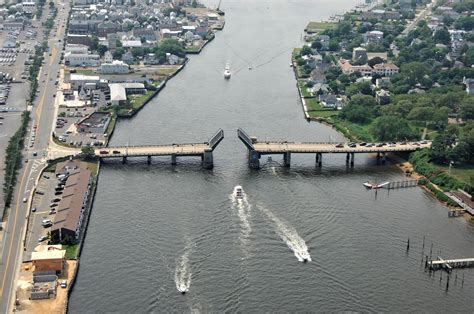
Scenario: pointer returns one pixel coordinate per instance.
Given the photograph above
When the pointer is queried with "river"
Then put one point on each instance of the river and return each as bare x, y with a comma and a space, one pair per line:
158, 228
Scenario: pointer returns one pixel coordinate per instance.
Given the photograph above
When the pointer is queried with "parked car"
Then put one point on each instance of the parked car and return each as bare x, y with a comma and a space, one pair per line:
63, 284
339, 145
33, 209
116, 152
39, 192
42, 238
103, 152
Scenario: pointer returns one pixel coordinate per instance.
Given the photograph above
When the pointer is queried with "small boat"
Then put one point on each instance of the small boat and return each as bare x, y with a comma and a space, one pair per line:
238, 192
227, 73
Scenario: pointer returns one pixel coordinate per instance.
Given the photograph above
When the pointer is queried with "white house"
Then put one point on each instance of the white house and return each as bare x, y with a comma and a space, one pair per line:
117, 94
469, 85
90, 60
116, 67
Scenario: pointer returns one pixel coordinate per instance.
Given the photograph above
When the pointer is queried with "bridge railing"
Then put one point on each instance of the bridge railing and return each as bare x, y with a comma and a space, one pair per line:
151, 146
245, 138
216, 139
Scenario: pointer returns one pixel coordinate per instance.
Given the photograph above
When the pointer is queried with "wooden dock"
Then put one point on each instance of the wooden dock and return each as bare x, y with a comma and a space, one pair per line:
449, 264
402, 184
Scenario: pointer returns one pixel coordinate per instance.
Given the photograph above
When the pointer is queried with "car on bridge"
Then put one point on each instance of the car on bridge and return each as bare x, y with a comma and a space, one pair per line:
116, 152
103, 152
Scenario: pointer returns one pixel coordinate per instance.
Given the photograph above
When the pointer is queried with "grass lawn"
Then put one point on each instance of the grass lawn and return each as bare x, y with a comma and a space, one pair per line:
317, 27
354, 131
85, 71
92, 166
461, 172
166, 71
304, 89
111, 125
71, 251
137, 101
296, 52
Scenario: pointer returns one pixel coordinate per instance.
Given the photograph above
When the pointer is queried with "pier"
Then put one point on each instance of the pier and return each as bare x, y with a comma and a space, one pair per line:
256, 149
203, 150
450, 264
402, 184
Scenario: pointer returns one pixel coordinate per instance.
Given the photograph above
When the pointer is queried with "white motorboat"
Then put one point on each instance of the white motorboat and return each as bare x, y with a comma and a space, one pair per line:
227, 73
238, 192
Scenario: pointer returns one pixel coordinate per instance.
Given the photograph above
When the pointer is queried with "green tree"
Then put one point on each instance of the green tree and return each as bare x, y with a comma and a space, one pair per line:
87, 152
101, 49
389, 128
117, 54
469, 57
306, 50
316, 45
442, 36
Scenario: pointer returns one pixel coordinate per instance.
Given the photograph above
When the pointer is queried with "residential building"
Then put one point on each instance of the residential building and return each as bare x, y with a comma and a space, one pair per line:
48, 258
373, 37
70, 211
382, 97
359, 55
108, 58
76, 49
385, 69
328, 100
144, 33
128, 57
116, 67
87, 60
348, 68
77, 80
469, 85
383, 82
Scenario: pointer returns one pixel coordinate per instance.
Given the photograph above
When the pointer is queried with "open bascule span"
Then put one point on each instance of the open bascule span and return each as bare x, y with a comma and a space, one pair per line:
203, 150
256, 149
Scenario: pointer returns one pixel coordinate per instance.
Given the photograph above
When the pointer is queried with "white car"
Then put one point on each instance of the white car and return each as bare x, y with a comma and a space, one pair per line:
42, 238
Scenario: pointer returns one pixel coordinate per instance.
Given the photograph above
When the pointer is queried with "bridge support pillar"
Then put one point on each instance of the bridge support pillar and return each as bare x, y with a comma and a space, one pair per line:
348, 156
383, 158
148, 160
254, 159
352, 159
207, 159
124, 160
319, 159
173, 159
287, 159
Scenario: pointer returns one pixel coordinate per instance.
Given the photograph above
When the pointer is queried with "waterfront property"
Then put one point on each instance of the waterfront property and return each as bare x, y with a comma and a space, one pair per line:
70, 212
257, 149
203, 150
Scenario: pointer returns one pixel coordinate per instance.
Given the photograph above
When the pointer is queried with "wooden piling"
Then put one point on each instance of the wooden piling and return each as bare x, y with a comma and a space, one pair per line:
408, 245
447, 284
423, 242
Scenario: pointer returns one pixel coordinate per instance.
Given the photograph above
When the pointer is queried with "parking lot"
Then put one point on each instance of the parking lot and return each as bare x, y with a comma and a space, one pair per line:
43, 207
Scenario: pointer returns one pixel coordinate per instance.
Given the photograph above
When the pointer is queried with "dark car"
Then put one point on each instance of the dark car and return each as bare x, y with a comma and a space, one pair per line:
58, 193
362, 144
339, 145
116, 152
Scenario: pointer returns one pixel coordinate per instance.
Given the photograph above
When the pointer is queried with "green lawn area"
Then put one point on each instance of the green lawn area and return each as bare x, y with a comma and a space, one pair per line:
166, 71
111, 125
461, 172
317, 27
71, 251
354, 131
296, 52
304, 89
85, 72
316, 110
137, 101
92, 166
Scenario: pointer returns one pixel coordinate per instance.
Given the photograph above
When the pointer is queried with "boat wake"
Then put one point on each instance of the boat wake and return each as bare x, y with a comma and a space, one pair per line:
289, 235
182, 274
241, 205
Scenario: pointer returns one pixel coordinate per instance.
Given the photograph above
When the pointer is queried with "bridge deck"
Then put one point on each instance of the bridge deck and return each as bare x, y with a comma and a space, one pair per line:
292, 147
156, 150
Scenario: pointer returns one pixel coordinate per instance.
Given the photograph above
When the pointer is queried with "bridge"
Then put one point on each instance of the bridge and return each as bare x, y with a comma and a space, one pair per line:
203, 150
256, 149
449, 264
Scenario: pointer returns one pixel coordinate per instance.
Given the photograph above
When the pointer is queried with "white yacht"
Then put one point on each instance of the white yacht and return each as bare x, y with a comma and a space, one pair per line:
238, 192
227, 72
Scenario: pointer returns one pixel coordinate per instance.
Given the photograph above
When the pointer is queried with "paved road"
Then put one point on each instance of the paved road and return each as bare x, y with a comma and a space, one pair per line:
426, 11
278, 147
156, 150
42, 116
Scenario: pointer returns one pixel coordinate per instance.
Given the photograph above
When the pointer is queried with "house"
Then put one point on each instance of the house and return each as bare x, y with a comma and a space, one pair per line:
373, 37
70, 211
116, 67
29, 6
383, 82
48, 258
108, 58
317, 76
359, 54
172, 59
382, 97
144, 33
128, 57
328, 100
385, 69
469, 85
151, 59
86, 60
347, 68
